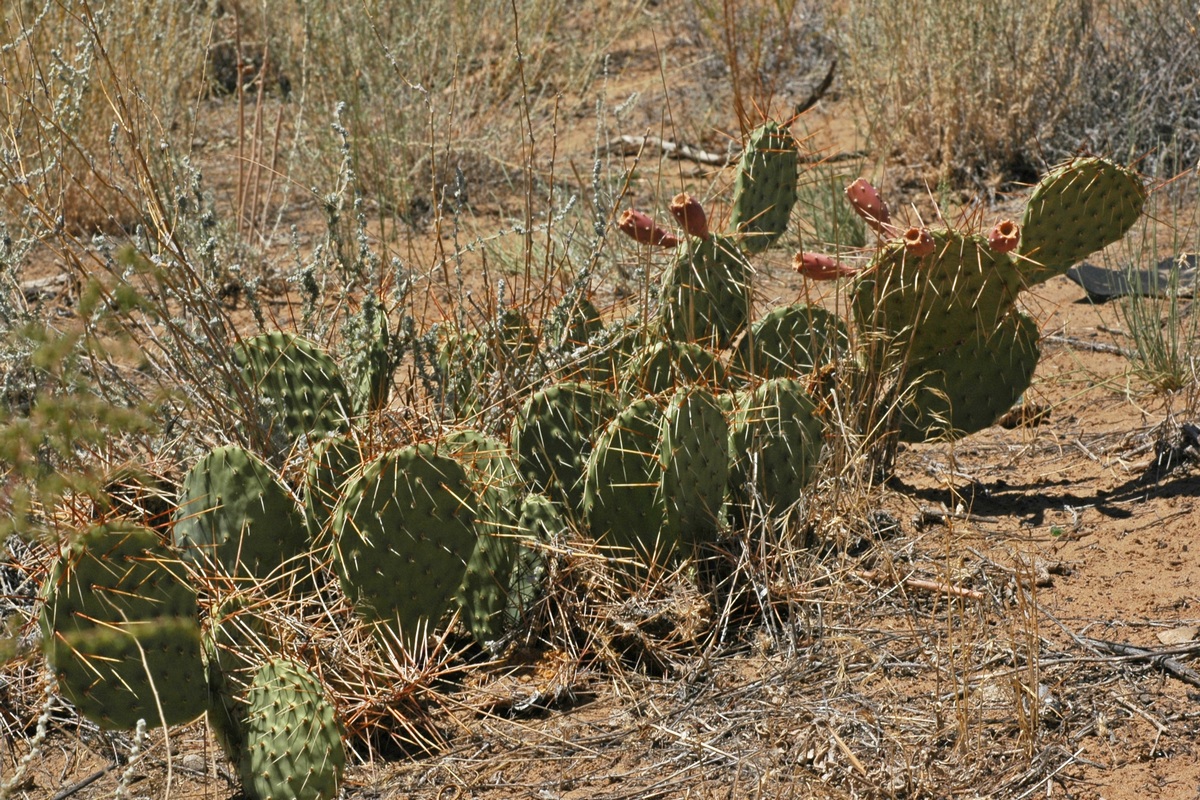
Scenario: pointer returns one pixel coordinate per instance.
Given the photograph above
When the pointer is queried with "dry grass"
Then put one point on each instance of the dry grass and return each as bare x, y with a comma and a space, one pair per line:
983, 95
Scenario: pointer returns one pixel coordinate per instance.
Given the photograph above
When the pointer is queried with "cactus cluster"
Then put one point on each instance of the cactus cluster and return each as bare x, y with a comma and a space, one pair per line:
652, 437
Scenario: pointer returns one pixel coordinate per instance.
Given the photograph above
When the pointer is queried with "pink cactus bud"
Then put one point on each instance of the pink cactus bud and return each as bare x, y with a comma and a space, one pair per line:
639, 227
819, 267
918, 242
690, 215
869, 205
1004, 237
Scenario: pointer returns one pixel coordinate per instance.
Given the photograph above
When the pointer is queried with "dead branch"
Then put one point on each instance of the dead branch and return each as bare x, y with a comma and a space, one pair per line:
635, 145
920, 584
1161, 660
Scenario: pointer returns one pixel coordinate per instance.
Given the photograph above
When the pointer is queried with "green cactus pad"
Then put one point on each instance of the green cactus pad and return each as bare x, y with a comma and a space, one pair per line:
372, 365
236, 641
764, 190
293, 745
539, 525
623, 500
332, 462
705, 295
236, 518
601, 360
297, 382
459, 364
581, 321
485, 592
1080, 207
776, 439
916, 307
693, 447
967, 389
552, 435
663, 366
404, 530
120, 629
789, 342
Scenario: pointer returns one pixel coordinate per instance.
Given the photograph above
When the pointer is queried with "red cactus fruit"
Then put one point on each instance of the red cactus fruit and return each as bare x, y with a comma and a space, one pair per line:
869, 205
690, 215
918, 242
1004, 237
639, 227
821, 267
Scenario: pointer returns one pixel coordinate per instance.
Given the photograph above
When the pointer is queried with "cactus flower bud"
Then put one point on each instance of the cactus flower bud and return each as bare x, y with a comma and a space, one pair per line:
918, 242
639, 227
690, 215
821, 267
1004, 237
867, 203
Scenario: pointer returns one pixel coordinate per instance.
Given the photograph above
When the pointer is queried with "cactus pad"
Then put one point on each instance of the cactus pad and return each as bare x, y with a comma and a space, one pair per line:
404, 530
776, 438
789, 342
552, 436
623, 501
297, 382
1078, 208
371, 362
485, 592
663, 366
917, 307
235, 516
120, 630
966, 389
330, 464
293, 744
693, 447
705, 294
764, 190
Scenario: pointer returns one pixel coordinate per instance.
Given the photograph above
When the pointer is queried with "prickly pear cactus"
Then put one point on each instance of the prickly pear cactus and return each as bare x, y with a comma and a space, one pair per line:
764, 190
298, 384
459, 363
607, 351
623, 501
914, 307
705, 293
776, 438
789, 342
236, 519
404, 531
541, 525
1079, 207
662, 366
552, 435
693, 447
485, 594
967, 388
474, 364
120, 629
331, 463
371, 362
236, 641
293, 743
580, 322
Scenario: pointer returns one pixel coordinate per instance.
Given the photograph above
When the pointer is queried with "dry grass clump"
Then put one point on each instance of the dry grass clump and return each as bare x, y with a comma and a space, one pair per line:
976, 93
